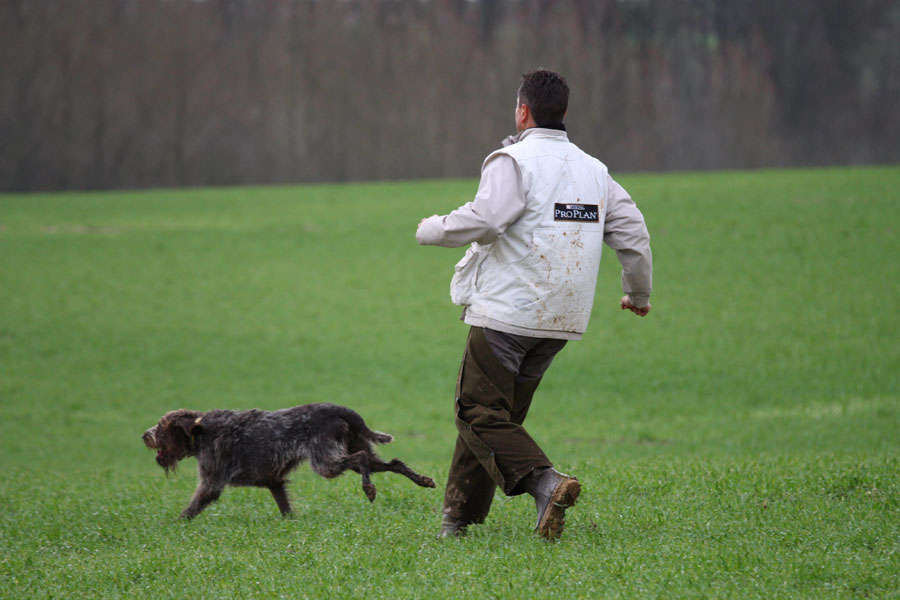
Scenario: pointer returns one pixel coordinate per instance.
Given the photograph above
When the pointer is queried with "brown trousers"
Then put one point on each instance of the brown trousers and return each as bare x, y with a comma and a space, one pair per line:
497, 380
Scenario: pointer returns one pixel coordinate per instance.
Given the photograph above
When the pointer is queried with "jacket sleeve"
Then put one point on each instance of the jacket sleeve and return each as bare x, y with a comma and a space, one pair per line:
500, 200
626, 233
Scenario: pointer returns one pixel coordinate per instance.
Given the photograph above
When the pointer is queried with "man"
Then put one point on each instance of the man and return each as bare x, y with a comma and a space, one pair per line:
536, 228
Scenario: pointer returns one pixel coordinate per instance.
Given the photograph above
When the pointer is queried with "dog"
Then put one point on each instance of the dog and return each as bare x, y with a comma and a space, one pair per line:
259, 448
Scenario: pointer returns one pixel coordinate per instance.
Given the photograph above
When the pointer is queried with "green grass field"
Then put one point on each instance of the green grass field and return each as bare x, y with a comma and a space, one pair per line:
742, 441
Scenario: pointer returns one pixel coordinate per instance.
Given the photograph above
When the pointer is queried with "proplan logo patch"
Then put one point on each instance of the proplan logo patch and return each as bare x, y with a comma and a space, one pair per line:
582, 213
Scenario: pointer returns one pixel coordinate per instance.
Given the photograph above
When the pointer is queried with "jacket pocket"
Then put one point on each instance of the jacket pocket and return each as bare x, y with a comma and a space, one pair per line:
462, 286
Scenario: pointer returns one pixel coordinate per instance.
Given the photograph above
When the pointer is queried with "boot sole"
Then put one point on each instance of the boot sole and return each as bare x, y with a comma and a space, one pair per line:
553, 521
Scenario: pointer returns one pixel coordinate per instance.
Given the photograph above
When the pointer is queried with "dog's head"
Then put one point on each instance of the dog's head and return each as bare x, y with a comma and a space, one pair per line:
174, 437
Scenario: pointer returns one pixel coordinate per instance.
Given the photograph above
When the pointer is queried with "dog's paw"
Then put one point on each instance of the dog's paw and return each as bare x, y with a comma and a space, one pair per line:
428, 482
369, 489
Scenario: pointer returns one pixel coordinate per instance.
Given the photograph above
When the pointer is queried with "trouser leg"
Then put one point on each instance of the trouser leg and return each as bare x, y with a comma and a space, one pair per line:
485, 409
493, 449
522, 396
470, 488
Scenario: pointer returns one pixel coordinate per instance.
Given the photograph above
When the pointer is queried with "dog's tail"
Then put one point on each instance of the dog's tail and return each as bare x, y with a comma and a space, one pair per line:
357, 423
379, 438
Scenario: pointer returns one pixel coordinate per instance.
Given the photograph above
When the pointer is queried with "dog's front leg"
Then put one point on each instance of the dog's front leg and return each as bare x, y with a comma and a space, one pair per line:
281, 498
205, 495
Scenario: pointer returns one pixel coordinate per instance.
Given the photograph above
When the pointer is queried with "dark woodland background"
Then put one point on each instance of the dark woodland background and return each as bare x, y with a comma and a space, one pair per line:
146, 93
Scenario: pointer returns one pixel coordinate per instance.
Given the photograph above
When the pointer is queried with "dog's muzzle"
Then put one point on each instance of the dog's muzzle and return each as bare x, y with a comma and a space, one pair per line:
149, 437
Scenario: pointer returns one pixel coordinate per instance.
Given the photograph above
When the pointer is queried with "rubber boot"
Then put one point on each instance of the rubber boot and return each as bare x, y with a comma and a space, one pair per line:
553, 493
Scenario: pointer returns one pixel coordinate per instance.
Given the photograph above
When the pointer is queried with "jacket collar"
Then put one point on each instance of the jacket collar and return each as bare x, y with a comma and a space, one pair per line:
555, 130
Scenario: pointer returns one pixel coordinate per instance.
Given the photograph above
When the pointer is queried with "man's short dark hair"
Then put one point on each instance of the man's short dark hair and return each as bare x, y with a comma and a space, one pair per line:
547, 95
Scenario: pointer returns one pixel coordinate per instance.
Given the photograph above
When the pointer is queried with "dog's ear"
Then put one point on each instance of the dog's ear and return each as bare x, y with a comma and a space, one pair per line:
191, 425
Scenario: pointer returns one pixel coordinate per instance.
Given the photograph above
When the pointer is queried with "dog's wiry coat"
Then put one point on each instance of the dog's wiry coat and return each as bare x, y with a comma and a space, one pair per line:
259, 448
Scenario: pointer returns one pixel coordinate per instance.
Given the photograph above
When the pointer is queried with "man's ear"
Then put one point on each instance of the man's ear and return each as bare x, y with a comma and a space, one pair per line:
523, 116
526, 112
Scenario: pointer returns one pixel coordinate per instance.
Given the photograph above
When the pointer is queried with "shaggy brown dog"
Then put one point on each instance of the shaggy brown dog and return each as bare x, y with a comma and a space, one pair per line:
259, 448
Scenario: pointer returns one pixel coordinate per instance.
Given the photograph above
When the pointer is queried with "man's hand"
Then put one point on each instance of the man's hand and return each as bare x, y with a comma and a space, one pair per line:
626, 304
423, 237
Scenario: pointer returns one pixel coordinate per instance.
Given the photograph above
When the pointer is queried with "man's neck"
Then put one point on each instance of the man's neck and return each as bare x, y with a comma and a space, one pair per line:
512, 139
558, 126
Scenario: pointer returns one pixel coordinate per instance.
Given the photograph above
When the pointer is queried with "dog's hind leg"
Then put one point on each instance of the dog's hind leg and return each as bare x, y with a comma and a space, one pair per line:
397, 466
281, 498
359, 462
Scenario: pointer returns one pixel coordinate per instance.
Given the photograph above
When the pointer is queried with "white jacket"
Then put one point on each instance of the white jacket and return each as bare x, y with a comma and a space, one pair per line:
537, 226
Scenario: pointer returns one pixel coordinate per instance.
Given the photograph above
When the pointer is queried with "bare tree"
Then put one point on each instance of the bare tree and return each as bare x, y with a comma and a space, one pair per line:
137, 93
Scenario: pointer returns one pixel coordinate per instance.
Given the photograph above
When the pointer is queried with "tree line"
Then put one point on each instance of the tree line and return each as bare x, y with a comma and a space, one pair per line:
146, 93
